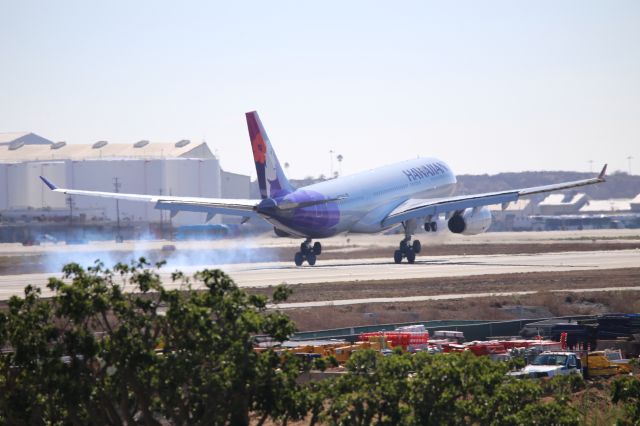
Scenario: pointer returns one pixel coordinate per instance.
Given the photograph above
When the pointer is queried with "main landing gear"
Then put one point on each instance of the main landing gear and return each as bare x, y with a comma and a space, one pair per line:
308, 252
407, 250
431, 226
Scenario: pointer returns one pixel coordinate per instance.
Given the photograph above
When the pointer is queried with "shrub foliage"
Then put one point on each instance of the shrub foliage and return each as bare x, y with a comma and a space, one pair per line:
115, 347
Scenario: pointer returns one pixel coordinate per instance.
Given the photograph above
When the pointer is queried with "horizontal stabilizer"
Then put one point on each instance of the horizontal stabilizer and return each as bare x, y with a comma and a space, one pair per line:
234, 207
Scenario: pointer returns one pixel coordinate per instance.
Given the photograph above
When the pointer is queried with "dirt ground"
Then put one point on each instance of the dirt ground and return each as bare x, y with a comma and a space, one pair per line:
542, 304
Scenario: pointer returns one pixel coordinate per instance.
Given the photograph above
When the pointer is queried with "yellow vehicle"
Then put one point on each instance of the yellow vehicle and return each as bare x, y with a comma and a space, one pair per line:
599, 364
343, 353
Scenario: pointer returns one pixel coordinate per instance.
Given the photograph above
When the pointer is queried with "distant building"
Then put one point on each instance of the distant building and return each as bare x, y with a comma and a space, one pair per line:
178, 168
515, 217
560, 204
17, 139
234, 184
635, 204
618, 206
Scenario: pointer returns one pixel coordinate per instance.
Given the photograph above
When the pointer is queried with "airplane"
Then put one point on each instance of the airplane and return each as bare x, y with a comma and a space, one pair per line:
412, 193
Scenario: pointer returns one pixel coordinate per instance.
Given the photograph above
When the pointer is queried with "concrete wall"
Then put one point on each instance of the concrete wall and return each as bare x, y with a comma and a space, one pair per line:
235, 185
179, 177
24, 189
4, 186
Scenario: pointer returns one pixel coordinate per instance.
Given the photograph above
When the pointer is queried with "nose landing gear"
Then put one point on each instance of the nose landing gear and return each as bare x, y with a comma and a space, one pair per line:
308, 252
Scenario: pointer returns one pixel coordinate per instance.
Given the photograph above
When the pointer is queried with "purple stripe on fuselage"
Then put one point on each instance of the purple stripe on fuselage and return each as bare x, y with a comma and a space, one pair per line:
314, 221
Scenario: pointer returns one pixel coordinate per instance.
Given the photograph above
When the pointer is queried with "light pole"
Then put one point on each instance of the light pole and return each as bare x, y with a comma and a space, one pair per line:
629, 158
331, 162
339, 158
590, 166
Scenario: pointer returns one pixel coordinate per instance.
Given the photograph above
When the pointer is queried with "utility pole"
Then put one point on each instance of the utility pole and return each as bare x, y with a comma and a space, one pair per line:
171, 218
340, 158
116, 187
69, 201
161, 219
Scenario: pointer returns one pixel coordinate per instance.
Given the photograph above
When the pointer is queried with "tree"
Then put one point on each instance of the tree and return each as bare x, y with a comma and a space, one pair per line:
115, 347
444, 389
626, 390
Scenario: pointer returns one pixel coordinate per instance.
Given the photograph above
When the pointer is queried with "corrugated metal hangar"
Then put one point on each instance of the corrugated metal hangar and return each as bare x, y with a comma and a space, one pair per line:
180, 168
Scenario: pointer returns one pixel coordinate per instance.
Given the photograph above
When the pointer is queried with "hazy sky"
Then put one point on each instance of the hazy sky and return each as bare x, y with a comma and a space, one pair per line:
487, 86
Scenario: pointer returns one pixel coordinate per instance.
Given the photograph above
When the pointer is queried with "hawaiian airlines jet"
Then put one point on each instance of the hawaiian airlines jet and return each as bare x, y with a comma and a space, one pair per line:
414, 193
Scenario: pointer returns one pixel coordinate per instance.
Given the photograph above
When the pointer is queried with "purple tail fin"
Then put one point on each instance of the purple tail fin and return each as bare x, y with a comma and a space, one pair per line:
271, 179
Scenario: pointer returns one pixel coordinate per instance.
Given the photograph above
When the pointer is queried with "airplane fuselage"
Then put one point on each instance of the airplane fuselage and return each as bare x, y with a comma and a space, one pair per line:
363, 199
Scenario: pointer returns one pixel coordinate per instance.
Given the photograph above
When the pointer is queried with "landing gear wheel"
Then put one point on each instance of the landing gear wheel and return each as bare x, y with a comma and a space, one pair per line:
404, 245
417, 246
411, 256
427, 226
434, 226
397, 256
308, 252
311, 259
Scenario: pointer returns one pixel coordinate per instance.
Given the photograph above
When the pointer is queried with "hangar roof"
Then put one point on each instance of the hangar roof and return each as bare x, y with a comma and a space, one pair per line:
22, 138
563, 199
603, 206
141, 149
514, 206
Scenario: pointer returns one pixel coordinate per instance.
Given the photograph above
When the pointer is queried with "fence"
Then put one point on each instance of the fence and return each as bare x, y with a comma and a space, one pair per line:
472, 329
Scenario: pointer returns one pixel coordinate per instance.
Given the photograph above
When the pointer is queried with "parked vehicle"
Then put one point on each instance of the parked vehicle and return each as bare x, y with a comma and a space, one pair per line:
606, 363
549, 364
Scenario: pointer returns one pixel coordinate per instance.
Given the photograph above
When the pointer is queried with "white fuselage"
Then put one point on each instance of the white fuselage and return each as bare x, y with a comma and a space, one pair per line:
366, 198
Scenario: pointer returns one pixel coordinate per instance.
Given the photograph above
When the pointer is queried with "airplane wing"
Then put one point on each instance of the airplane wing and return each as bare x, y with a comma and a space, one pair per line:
415, 208
211, 206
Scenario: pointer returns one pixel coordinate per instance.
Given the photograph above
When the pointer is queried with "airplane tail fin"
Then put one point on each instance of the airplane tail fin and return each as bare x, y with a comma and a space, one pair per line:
271, 179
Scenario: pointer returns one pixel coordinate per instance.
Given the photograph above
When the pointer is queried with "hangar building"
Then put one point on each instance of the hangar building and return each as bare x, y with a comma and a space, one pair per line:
177, 168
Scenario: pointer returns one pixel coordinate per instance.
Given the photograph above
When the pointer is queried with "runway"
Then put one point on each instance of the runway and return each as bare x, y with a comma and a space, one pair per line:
273, 273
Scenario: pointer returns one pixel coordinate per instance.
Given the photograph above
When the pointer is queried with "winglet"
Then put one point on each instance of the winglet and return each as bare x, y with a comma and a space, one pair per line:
48, 183
602, 173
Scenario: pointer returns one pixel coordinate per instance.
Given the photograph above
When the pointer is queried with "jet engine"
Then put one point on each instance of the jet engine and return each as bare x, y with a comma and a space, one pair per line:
470, 221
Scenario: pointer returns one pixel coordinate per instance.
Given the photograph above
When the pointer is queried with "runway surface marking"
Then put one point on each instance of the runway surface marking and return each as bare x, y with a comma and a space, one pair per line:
346, 270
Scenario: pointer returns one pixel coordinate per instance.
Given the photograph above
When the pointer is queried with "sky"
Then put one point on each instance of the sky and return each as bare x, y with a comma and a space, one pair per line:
488, 87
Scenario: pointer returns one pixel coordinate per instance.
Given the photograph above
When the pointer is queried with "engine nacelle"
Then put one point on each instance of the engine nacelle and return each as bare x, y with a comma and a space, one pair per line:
471, 221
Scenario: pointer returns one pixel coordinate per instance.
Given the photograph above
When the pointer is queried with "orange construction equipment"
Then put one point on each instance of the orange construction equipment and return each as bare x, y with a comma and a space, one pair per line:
399, 338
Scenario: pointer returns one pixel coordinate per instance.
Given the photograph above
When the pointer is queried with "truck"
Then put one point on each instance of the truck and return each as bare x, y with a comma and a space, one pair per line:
549, 364
606, 363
